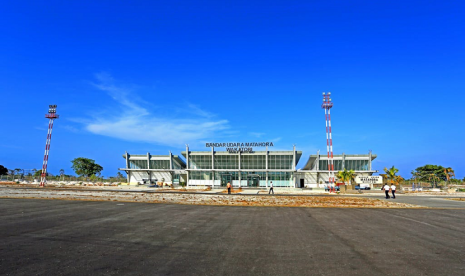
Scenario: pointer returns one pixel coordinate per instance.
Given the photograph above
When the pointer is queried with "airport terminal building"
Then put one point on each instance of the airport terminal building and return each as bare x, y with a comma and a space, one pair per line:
242, 166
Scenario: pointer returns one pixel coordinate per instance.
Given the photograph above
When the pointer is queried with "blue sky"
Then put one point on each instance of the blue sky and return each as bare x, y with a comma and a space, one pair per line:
151, 76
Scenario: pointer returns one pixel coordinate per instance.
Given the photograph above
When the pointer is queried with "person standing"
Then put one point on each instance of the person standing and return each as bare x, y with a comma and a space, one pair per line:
386, 190
229, 188
393, 190
271, 188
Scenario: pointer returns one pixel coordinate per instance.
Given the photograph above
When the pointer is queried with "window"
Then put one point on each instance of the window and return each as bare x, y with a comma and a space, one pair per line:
280, 162
253, 162
138, 164
225, 162
160, 164
200, 162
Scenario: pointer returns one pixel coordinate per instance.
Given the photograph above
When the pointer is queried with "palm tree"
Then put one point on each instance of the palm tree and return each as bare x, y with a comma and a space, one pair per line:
351, 176
342, 176
391, 173
62, 174
433, 177
449, 172
346, 176
17, 171
12, 173
398, 179
415, 175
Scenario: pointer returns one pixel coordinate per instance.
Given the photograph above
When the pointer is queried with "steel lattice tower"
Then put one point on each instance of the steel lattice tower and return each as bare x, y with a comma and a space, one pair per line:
52, 109
327, 104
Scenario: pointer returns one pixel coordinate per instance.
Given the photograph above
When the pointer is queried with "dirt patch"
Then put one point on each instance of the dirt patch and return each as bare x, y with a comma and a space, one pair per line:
456, 199
205, 199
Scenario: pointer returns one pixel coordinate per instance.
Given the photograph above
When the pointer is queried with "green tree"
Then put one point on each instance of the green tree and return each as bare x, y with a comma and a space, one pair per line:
62, 174
119, 175
434, 179
85, 166
3, 170
12, 173
93, 178
38, 173
398, 179
424, 173
391, 173
17, 172
346, 176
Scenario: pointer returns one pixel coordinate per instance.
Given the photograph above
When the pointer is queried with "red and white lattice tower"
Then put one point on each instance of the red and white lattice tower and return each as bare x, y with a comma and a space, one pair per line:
52, 109
327, 104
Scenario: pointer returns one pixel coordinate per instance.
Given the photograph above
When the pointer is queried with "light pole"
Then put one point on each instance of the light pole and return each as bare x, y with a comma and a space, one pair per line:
51, 116
327, 105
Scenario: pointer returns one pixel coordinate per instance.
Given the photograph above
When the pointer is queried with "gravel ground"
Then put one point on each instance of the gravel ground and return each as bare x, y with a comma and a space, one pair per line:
202, 199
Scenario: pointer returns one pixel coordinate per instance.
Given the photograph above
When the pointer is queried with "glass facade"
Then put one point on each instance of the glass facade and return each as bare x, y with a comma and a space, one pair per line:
356, 165
160, 164
244, 170
323, 165
247, 169
280, 162
280, 179
201, 175
253, 162
138, 164
200, 162
225, 162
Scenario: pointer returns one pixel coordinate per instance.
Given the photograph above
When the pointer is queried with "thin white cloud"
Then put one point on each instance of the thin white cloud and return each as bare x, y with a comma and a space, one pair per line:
256, 134
70, 128
133, 122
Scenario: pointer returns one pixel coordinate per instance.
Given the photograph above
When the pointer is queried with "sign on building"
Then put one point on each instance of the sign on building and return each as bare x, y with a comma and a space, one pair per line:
369, 179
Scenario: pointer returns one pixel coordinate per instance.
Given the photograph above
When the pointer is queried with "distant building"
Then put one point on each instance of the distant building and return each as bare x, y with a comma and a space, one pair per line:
242, 169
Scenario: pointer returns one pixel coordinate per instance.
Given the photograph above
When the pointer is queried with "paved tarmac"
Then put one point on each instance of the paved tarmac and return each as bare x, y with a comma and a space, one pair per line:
57, 237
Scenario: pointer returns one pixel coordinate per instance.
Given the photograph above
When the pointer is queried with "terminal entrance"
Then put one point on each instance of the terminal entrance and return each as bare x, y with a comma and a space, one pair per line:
225, 178
253, 180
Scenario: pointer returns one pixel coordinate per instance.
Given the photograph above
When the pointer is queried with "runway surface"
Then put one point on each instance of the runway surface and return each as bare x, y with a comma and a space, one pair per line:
57, 237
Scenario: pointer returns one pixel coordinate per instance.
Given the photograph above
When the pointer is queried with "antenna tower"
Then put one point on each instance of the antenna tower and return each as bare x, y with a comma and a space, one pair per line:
52, 109
327, 104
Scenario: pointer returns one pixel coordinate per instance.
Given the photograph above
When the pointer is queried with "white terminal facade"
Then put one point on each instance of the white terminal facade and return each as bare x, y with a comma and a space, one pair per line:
242, 166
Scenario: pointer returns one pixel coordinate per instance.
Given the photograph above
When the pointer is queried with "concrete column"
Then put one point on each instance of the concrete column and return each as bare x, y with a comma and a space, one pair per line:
343, 161
128, 176
266, 166
187, 164
293, 166
369, 162
127, 160
239, 170
213, 167
187, 156
317, 160
148, 168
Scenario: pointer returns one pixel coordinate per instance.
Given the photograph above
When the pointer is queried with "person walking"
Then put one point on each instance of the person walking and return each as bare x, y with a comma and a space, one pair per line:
393, 190
386, 190
271, 188
229, 188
